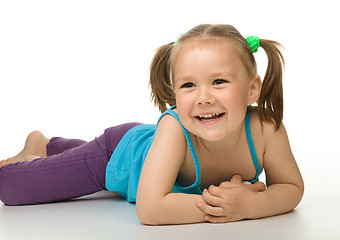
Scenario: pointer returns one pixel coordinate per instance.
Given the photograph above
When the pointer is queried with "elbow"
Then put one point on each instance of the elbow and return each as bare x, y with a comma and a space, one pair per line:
143, 216
299, 191
148, 214
301, 188
146, 220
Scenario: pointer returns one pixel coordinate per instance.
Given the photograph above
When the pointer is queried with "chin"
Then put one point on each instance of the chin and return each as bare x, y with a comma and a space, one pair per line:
211, 137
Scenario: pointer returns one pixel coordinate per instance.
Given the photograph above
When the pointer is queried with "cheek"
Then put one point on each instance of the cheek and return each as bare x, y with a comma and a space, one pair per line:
237, 103
181, 104
184, 108
230, 98
182, 101
236, 96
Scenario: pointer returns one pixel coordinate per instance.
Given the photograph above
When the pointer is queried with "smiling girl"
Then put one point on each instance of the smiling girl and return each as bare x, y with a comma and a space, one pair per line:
191, 166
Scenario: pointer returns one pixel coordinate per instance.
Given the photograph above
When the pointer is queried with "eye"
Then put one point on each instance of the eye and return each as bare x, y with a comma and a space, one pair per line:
219, 81
188, 85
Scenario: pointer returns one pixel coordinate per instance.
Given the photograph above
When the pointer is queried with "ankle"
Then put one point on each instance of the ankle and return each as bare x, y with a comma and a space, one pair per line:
31, 157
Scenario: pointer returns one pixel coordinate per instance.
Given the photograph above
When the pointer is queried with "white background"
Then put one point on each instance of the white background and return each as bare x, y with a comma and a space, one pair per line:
73, 68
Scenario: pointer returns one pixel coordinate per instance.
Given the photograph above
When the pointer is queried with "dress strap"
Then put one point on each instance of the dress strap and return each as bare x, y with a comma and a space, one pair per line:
190, 145
252, 147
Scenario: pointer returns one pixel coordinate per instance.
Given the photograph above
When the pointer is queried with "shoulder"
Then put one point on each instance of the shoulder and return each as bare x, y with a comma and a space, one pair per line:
168, 124
170, 137
267, 129
275, 142
269, 140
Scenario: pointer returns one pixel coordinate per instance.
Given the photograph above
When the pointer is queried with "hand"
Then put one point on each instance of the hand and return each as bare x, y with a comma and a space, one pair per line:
230, 201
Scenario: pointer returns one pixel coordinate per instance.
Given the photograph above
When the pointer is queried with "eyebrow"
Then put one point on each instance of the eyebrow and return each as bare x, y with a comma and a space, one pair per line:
213, 75
217, 74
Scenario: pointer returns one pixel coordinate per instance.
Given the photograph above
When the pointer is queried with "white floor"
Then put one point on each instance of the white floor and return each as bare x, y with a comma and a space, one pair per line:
107, 216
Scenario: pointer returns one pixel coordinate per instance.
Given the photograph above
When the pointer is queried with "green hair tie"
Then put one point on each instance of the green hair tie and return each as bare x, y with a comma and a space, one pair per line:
175, 43
253, 42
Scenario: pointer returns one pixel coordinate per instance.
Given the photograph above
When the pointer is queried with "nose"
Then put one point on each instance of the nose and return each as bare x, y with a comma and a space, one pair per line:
205, 97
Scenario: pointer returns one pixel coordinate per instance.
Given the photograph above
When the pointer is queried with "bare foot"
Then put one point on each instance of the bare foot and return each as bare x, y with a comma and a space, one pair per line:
35, 147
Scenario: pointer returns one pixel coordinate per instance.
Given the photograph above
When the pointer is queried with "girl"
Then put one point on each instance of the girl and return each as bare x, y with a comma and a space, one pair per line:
190, 166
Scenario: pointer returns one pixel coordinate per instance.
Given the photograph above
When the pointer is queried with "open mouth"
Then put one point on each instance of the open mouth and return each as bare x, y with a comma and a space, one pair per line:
209, 117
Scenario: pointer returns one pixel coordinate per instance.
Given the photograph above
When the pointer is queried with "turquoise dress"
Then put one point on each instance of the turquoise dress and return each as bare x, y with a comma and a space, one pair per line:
126, 163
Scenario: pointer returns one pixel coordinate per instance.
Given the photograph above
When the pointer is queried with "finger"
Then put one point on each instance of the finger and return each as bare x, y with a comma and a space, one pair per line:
214, 219
228, 185
210, 210
212, 199
220, 191
221, 219
225, 185
257, 187
236, 179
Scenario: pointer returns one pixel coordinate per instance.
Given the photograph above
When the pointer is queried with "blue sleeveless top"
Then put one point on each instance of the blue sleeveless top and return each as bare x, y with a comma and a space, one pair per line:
126, 163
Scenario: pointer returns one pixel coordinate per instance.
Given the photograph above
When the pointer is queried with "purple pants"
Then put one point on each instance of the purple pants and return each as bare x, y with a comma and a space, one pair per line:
72, 169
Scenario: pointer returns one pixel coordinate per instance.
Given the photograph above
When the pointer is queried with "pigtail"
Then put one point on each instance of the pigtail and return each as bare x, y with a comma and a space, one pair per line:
270, 101
162, 92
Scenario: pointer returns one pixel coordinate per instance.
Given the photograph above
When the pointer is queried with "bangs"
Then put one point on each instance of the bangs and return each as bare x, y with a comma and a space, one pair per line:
226, 42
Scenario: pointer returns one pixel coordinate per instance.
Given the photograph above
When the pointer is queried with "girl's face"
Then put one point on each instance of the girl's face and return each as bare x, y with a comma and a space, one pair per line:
212, 89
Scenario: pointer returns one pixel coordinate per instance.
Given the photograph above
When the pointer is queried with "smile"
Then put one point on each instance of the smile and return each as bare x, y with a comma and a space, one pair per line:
209, 117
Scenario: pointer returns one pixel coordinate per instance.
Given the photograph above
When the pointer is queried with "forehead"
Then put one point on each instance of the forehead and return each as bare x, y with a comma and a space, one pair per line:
213, 53
224, 44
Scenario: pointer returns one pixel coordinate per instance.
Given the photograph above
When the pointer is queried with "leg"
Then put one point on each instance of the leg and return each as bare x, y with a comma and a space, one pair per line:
58, 145
38, 146
75, 172
35, 145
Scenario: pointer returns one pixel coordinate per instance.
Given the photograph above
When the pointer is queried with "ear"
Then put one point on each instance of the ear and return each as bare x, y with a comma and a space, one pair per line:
254, 89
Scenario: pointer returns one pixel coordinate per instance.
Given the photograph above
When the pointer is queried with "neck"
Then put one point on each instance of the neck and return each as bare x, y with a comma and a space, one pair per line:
229, 142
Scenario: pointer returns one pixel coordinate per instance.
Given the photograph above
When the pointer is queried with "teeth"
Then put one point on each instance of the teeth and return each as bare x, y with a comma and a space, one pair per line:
208, 120
209, 117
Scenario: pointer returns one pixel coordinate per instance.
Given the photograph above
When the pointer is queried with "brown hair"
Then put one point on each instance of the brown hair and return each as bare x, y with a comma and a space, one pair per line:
270, 102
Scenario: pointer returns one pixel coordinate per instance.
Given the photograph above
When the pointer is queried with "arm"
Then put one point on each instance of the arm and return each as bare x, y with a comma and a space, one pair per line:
233, 201
156, 204
284, 180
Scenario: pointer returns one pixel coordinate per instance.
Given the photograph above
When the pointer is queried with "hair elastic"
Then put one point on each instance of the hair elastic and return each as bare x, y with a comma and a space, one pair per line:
253, 42
175, 43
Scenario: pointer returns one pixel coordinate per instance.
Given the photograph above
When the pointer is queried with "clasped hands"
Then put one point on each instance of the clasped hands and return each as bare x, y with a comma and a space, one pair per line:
230, 201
